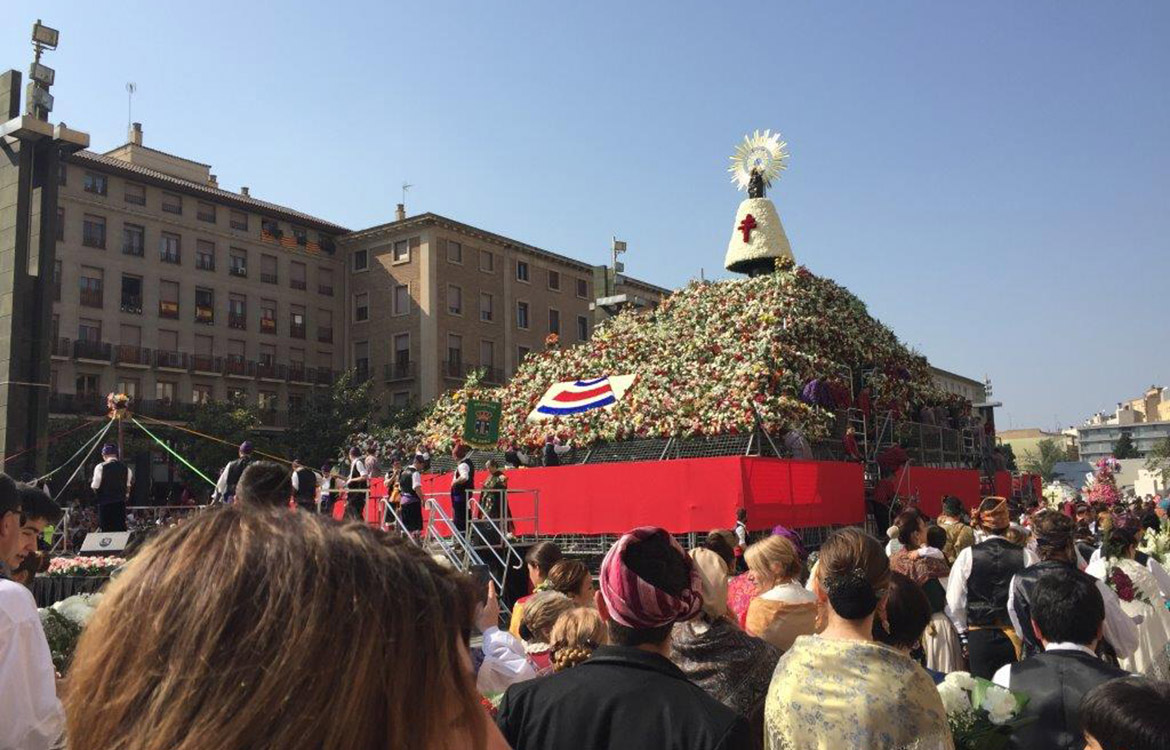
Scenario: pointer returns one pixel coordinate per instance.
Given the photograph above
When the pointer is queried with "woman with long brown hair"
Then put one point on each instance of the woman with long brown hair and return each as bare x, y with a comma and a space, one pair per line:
250, 628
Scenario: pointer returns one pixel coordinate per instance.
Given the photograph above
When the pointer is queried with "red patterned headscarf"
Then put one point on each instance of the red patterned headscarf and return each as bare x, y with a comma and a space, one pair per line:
637, 604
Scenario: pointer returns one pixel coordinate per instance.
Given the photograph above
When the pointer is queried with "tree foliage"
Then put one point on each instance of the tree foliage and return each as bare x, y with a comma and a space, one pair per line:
1124, 447
1009, 455
1043, 460
1158, 457
322, 427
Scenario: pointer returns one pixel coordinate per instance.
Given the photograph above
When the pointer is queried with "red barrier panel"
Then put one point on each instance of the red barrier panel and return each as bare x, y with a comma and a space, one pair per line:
932, 484
684, 495
1003, 483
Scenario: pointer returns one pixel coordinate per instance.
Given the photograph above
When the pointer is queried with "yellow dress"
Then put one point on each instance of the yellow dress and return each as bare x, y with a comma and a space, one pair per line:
840, 695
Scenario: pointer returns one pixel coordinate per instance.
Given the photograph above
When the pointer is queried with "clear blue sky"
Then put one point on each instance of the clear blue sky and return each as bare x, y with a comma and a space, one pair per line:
991, 177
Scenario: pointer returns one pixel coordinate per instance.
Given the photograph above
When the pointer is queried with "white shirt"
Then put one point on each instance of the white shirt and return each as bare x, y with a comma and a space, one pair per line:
741, 533
1119, 631
956, 608
31, 716
504, 662
790, 592
358, 470
97, 475
1003, 675
1156, 570
463, 471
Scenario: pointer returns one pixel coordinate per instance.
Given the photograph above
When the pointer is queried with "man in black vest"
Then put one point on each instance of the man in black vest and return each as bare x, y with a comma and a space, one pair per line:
1055, 539
1068, 616
977, 591
304, 485
111, 485
462, 485
410, 495
225, 488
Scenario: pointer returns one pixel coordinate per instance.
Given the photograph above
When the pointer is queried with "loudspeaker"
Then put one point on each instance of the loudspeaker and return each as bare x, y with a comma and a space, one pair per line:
105, 543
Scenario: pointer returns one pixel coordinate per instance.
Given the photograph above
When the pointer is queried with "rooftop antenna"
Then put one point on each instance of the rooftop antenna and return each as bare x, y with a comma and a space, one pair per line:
130, 89
405, 186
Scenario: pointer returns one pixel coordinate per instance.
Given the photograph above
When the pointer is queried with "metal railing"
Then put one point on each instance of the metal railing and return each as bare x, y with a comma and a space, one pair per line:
139, 518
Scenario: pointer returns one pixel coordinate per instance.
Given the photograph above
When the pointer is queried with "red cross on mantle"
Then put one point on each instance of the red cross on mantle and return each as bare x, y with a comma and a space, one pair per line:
746, 226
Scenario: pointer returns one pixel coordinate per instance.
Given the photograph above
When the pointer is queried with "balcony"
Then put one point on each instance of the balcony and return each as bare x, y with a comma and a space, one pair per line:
137, 249
132, 304
267, 325
238, 321
241, 271
204, 315
323, 376
164, 408
207, 364
61, 348
268, 278
204, 263
325, 290
297, 284
168, 309
493, 375
91, 297
325, 335
136, 356
454, 369
98, 351
298, 373
236, 366
270, 370
87, 404
170, 256
170, 360
403, 370
296, 331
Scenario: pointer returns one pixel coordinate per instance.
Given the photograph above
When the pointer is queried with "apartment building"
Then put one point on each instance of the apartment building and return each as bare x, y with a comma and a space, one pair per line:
176, 292
432, 298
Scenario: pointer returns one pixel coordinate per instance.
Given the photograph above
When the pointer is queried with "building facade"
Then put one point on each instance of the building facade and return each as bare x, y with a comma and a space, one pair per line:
1145, 419
177, 293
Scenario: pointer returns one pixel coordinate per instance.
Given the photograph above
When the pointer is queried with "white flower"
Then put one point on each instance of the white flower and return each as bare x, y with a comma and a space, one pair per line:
954, 698
999, 704
78, 608
962, 680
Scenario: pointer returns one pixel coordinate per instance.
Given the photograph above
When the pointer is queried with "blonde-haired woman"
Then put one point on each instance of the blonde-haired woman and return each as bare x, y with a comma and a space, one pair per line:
784, 609
541, 613
575, 636
219, 635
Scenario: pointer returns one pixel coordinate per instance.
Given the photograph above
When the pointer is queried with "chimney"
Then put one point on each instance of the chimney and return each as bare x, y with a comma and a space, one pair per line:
136, 134
400, 212
212, 181
244, 191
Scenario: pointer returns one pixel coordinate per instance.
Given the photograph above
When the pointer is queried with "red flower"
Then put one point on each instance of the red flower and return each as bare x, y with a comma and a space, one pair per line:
1122, 584
487, 705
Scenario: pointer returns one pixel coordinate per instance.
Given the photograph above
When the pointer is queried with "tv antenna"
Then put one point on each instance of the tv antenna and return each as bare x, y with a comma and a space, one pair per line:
405, 186
130, 89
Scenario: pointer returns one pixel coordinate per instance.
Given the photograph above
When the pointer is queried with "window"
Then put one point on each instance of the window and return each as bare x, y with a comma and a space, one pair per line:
401, 299
93, 231
361, 260
361, 307
239, 220
205, 255
133, 240
267, 316
582, 288
454, 252
168, 341
454, 300
554, 321
325, 281
237, 311
268, 269
296, 275
487, 261
134, 194
266, 401
87, 386
205, 212
361, 360
522, 271
89, 330
522, 315
168, 299
164, 392
131, 294
270, 229
402, 350
204, 306
128, 386
62, 173
204, 346
487, 354
172, 203
238, 395
169, 250
582, 328
91, 286
60, 223
57, 265
200, 394
486, 311
402, 251
239, 262
296, 402
95, 183
454, 356
521, 354
268, 356
325, 326
301, 236
296, 322
400, 399
554, 280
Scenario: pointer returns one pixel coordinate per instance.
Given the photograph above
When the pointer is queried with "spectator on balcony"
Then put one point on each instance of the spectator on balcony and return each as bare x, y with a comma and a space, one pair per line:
264, 484
462, 485
225, 487
111, 484
304, 486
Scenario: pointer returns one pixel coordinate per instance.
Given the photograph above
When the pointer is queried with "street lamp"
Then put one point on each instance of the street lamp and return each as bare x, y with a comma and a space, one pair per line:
39, 100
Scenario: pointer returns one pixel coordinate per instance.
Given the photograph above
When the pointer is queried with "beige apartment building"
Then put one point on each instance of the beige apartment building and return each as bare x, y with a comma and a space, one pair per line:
178, 293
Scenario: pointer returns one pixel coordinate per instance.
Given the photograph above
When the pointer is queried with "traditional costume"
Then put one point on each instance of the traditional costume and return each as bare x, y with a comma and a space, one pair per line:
111, 486
225, 488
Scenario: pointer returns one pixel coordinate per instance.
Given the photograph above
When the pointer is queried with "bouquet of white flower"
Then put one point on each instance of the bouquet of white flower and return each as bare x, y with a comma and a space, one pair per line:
63, 622
1157, 545
981, 714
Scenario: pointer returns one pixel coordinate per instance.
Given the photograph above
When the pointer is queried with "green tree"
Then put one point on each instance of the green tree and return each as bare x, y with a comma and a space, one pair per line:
231, 422
322, 427
1158, 457
1043, 460
1009, 455
1124, 447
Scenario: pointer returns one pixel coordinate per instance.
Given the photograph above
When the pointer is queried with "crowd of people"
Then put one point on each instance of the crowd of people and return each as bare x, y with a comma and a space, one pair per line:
254, 625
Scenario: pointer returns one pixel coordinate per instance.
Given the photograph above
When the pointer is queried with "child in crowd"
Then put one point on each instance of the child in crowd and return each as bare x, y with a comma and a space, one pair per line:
575, 636
1127, 714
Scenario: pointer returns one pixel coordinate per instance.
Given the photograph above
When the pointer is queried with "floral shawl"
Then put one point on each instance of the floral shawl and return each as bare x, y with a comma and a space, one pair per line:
918, 569
838, 695
733, 667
